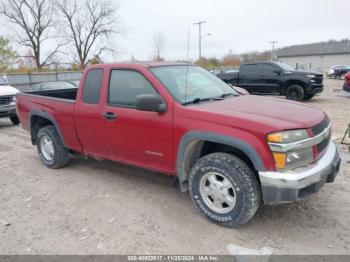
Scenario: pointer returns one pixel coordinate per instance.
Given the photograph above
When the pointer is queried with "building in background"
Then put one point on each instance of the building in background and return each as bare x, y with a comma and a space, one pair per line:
317, 57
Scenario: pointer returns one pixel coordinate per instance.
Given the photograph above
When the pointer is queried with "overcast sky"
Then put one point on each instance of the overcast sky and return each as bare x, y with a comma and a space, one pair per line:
240, 25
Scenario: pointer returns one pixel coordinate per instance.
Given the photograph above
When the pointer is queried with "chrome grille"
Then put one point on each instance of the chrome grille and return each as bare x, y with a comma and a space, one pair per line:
318, 129
5, 100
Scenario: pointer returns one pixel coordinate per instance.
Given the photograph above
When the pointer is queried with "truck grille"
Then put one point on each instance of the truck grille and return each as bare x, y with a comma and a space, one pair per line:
319, 79
5, 100
318, 129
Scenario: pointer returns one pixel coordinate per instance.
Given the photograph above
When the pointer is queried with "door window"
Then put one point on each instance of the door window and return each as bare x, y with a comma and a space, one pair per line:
92, 86
251, 69
125, 86
267, 69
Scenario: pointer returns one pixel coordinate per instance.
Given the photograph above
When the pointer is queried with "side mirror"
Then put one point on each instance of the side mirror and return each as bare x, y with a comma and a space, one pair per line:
150, 103
277, 71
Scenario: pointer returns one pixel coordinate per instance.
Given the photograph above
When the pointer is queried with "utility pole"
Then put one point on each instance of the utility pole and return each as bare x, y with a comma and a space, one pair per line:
199, 23
273, 54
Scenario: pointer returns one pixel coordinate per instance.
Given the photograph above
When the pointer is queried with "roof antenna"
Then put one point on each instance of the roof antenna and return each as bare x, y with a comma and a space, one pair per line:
187, 58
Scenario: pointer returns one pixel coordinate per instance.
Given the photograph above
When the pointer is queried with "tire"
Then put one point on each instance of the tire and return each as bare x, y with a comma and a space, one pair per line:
242, 193
15, 120
295, 93
51, 149
308, 96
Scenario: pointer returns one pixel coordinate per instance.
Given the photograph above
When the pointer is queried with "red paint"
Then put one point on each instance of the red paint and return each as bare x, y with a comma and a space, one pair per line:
151, 140
347, 79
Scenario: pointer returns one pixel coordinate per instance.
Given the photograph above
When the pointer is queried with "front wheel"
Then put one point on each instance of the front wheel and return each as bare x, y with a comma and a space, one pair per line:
295, 92
50, 148
308, 97
15, 120
224, 189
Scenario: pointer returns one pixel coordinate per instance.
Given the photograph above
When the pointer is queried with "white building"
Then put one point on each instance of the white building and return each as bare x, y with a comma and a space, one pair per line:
316, 57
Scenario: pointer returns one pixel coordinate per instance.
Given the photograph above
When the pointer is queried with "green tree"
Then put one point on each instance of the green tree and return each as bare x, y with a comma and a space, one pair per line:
7, 55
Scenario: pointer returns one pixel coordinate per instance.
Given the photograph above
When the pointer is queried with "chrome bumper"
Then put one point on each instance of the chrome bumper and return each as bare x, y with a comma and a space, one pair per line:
8, 109
283, 187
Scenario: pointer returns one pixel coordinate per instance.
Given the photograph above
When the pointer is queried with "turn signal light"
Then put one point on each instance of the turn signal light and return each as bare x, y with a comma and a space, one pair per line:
280, 160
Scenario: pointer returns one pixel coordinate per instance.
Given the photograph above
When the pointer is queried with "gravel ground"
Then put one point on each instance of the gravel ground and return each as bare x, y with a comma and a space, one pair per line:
100, 207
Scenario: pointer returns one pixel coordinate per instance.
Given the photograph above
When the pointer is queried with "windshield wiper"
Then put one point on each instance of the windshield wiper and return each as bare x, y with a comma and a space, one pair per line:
227, 94
198, 100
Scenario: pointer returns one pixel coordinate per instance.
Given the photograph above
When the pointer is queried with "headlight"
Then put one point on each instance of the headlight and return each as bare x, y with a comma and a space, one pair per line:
14, 99
288, 136
289, 159
310, 76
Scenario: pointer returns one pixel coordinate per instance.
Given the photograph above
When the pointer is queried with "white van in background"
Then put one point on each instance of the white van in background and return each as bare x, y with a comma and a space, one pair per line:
8, 101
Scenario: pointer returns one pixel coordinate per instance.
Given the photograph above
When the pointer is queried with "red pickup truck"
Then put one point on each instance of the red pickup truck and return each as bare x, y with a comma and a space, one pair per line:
231, 151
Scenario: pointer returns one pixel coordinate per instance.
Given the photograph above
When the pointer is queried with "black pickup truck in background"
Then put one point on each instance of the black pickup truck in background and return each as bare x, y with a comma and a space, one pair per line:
274, 78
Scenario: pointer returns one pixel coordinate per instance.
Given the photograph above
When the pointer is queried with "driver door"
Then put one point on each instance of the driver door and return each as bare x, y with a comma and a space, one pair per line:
137, 137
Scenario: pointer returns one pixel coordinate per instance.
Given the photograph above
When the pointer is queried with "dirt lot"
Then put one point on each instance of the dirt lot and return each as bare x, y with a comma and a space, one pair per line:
100, 207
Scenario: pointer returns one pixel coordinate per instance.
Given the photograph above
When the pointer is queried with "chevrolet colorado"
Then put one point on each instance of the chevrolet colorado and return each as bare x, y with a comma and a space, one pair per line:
8, 101
232, 152
275, 78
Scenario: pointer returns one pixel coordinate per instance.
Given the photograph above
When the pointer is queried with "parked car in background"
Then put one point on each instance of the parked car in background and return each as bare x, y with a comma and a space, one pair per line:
74, 82
8, 101
340, 72
274, 78
53, 86
232, 152
330, 72
346, 86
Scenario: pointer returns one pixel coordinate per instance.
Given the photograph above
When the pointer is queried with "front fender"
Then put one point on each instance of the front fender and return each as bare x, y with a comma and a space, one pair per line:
188, 140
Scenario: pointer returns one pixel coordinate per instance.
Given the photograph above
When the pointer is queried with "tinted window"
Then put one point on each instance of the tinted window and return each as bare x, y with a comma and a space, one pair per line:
92, 86
125, 86
251, 69
267, 69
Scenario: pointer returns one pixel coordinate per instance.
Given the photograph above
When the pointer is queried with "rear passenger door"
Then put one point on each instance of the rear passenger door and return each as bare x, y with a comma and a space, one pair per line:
88, 117
138, 137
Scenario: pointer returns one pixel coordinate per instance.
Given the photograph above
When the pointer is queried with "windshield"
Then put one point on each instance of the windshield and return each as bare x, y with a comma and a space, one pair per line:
201, 84
2, 82
285, 67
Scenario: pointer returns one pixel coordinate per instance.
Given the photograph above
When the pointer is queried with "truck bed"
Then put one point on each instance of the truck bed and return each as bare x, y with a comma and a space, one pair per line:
58, 104
69, 94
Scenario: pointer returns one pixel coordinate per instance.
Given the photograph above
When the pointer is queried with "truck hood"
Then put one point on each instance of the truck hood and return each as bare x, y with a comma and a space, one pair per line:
264, 113
8, 91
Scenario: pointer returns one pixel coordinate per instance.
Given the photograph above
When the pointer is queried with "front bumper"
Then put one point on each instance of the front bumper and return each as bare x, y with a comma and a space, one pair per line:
8, 110
284, 187
315, 88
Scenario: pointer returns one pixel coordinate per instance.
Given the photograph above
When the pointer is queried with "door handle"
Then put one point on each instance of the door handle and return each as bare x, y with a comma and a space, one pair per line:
109, 115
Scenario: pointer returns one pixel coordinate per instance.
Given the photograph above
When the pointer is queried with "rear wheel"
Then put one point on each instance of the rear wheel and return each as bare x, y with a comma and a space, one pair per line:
15, 120
295, 92
224, 189
51, 149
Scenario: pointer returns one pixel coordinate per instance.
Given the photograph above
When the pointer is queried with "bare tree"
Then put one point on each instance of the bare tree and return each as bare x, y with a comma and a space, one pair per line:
90, 23
158, 45
35, 21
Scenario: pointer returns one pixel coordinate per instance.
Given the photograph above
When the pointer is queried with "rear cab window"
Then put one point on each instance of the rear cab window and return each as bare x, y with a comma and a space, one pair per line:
92, 86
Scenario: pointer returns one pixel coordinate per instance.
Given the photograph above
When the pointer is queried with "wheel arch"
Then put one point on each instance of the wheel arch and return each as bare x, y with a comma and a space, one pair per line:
195, 144
294, 82
39, 119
